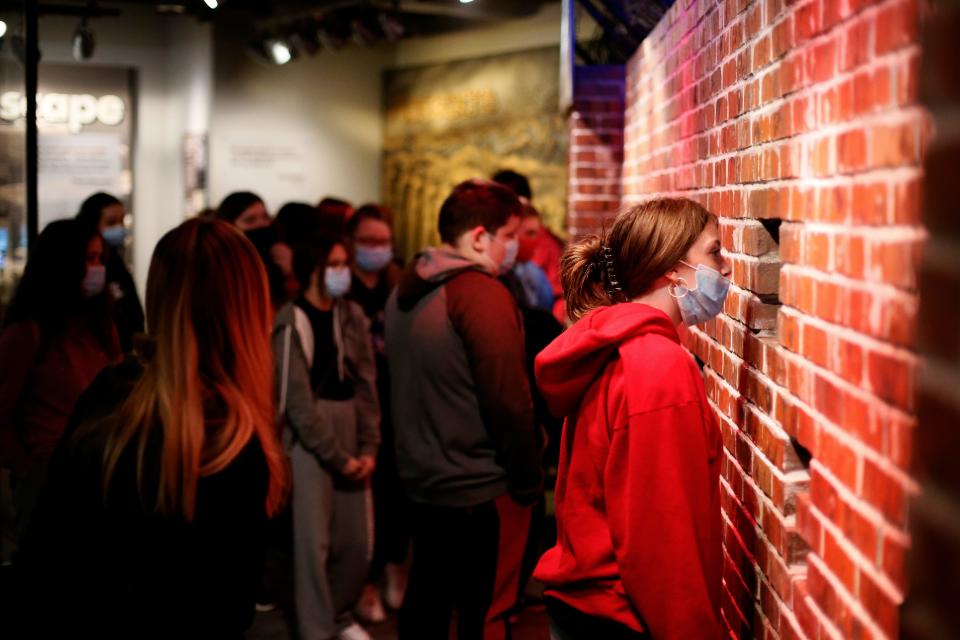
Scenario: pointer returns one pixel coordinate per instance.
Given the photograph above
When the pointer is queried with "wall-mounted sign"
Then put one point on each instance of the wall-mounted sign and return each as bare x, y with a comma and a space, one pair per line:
73, 110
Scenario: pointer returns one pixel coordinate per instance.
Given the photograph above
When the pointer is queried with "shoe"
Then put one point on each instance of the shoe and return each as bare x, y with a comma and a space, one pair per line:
263, 607
369, 607
354, 632
265, 600
396, 585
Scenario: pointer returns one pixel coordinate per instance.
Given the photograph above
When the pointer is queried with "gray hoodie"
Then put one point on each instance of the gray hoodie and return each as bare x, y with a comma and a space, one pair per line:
463, 416
293, 355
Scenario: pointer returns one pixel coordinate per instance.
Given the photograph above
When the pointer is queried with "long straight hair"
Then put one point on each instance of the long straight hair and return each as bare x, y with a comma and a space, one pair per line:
207, 387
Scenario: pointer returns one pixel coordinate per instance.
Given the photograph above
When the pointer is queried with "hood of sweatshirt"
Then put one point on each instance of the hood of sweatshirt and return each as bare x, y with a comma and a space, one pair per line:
429, 270
570, 364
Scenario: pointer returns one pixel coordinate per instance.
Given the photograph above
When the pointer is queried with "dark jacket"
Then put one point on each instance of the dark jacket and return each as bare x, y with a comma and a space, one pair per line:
463, 417
108, 567
127, 311
41, 378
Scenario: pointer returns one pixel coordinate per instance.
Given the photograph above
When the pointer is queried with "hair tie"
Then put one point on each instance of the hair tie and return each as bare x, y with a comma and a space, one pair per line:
613, 284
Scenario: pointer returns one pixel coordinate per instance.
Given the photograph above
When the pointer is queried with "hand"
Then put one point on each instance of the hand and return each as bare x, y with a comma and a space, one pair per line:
352, 469
369, 464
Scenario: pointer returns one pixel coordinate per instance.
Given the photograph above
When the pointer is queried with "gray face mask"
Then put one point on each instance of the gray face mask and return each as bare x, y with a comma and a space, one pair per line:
706, 301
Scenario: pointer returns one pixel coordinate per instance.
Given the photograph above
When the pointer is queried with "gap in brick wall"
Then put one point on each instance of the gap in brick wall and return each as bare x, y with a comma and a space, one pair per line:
700, 363
803, 454
772, 225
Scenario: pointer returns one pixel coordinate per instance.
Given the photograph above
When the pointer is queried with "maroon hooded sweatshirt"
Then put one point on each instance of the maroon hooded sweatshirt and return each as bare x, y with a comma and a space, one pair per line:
637, 497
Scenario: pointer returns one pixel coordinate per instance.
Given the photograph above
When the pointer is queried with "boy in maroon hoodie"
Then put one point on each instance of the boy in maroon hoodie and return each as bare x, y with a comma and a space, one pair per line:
638, 549
468, 451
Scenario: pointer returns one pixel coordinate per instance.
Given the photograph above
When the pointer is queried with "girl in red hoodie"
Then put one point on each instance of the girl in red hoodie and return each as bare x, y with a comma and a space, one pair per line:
638, 550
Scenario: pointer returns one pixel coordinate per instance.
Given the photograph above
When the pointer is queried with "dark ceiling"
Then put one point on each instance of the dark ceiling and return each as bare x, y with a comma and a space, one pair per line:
313, 25
339, 22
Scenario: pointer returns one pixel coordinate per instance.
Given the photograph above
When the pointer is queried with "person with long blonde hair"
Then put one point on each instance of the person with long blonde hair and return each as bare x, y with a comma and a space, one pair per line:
152, 521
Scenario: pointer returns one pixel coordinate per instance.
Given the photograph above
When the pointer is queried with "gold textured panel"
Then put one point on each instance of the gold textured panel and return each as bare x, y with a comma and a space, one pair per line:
466, 119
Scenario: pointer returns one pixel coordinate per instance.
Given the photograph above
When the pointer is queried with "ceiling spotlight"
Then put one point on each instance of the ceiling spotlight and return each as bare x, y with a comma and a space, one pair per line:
83, 42
465, 1
3, 28
213, 4
280, 51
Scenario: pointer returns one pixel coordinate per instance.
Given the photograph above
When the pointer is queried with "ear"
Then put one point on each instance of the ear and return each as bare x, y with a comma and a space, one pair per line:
477, 238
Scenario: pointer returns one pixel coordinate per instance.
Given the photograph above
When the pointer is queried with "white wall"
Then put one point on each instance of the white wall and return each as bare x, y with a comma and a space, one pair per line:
332, 104
327, 108
173, 58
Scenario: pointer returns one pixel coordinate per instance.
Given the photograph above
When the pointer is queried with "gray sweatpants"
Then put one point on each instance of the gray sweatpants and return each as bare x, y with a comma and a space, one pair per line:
332, 535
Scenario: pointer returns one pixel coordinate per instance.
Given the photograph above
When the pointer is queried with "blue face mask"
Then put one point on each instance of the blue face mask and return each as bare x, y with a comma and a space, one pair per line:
336, 280
510, 250
94, 281
373, 259
114, 235
706, 301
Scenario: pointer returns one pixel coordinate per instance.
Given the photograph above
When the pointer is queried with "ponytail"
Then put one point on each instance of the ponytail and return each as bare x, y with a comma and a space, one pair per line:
582, 277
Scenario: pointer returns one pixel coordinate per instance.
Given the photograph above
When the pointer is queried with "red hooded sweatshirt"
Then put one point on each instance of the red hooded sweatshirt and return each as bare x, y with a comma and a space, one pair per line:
637, 497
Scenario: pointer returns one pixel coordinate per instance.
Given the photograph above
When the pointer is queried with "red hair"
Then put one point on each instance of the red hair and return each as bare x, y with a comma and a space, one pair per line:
208, 386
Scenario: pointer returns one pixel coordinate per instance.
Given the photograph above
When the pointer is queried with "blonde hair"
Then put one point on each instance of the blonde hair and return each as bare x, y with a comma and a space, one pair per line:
621, 263
207, 388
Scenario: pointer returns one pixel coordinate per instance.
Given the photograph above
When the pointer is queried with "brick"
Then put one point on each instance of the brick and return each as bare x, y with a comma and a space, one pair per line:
884, 491
897, 25
895, 145
891, 378
852, 151
807, 20
857, 43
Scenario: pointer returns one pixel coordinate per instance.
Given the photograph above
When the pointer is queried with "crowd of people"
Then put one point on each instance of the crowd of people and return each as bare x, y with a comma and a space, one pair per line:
403, 419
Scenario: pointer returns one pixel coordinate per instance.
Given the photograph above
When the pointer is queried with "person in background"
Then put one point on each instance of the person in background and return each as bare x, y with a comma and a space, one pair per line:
534, 295
334, 214
468, 450
57, 335
537, 290
245, 210
277, 258
104, 214
326, 390
298, 223
152, 521
638, 491
375, 274
548, 247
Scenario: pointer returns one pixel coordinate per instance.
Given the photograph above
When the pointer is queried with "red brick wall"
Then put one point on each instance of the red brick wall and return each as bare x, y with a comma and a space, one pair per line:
932, 609
596, 147
805, 112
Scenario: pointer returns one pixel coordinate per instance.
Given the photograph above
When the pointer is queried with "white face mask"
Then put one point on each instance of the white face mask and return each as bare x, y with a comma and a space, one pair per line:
706, 301
511, 248
336, 280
